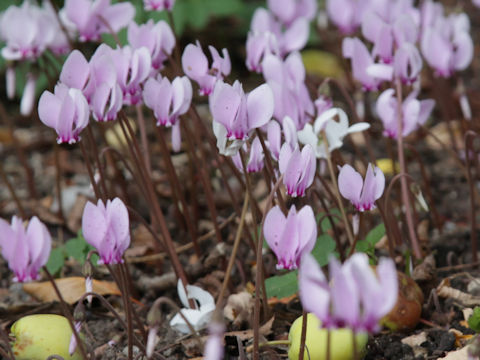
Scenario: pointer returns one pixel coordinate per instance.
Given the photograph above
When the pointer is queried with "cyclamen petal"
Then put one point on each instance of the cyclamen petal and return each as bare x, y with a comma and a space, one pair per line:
292, 236
298, 169
314, 289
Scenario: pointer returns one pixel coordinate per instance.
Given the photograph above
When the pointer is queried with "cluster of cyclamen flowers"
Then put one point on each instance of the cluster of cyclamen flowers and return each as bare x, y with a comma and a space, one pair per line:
401, 34
104, 226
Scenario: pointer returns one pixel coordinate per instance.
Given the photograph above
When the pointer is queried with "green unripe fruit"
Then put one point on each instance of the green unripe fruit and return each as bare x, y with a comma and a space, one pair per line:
39, 336
341, 341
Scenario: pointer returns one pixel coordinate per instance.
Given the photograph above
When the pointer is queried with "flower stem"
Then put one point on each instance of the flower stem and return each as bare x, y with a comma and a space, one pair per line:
403, 169
303, 335
233, 254
336, 192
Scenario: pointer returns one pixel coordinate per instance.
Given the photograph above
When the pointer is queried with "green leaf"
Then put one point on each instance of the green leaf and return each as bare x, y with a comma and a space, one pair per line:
324, 247
374, 236
474, 320
281, 286
56, 260
325, 225
77, 248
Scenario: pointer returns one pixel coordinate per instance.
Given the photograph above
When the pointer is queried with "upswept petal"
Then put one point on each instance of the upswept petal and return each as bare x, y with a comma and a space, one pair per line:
194, 61
313, 288
94, 226
259, 106
307, 228
224, 104
350, 183
75, 70
273, 228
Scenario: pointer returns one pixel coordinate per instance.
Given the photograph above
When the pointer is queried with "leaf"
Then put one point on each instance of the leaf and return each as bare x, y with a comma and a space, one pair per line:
325, 225
71, 288
77, 248
374, 235
474, 320
56, 260
322, 64
323, 249
281, 286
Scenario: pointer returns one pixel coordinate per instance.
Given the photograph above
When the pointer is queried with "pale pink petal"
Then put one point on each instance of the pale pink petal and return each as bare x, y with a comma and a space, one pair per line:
94, 226
313, 288
194, 62
273, 228
350, 183
75, 70
259, 106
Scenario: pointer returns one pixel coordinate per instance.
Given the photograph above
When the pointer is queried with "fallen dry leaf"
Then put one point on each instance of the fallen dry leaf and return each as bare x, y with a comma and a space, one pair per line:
461, 354
239, 307
444, 290
71, 288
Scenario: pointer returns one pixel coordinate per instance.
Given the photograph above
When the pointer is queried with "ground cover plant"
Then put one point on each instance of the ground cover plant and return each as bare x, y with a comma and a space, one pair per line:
228, 179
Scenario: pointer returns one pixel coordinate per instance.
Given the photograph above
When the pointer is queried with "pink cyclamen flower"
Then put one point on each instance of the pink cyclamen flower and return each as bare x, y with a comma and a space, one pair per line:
158, 5
407, 63
91, 18
356, 296
298, 168
195, 66
255, 158
446, 43
66, 111
25, 251
106, 227
157, 37
27, 32
292, 236
133, 66
168, 101
362, 194
364, 69
415, 112
239, 113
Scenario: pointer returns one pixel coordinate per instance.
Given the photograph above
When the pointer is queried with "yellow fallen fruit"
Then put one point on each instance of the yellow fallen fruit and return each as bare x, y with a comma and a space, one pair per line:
387, 167
36, 337
322, 64
341, 344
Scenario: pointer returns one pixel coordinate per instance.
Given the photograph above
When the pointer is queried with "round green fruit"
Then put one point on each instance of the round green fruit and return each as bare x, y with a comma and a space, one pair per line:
36, 337
341, 341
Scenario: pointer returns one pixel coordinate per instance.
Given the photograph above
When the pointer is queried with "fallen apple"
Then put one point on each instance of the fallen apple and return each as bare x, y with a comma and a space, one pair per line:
36, 337
341, 341
408, 309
